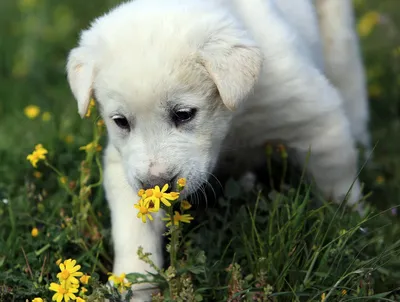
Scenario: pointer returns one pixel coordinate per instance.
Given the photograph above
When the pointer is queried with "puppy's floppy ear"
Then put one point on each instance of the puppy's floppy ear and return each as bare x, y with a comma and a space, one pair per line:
234, 64
80, 70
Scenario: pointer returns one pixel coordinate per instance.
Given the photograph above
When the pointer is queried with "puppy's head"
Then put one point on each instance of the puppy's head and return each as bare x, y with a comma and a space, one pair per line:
167, 76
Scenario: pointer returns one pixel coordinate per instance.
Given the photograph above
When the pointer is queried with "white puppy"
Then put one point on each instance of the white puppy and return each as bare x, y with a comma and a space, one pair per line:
189, 86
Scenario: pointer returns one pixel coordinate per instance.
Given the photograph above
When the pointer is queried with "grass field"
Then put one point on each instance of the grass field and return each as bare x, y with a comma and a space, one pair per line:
251, 247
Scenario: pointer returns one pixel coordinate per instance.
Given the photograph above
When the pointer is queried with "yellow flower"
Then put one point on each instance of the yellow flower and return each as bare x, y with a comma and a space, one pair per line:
63, 180
145, 208
79, 299
185, 205
100, 123
119, 282
178, 218
37, 300
141, 192
63, 292
323, 297
83, 290
38, 154
344, 292
35, 232
37, 174
91, 147
156, 196
84, 279
32, 111
367, 23
91, 106
69, 139
181, 183
58, 261
46, 116
69, 272
147, 193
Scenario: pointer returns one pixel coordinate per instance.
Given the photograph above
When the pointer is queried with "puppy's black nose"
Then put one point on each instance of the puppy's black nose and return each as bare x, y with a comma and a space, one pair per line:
160, 181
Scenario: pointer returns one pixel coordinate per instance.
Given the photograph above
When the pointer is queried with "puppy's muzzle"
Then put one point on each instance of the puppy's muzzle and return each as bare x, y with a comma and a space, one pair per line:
160, 181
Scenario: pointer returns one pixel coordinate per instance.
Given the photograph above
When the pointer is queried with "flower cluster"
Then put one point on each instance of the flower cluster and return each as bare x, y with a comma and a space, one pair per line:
33, 111
151, 200
38, 154
69, 283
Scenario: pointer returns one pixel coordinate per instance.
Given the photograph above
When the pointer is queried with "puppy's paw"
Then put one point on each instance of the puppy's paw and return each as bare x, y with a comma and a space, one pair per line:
353, 196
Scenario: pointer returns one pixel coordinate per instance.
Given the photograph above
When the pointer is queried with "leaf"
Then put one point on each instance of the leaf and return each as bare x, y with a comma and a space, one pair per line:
201, 257
137, 277
196, 270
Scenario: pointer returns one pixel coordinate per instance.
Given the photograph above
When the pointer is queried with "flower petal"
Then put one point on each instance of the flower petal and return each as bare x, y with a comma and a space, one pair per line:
165, 201
75, 268
164, 188
54, 286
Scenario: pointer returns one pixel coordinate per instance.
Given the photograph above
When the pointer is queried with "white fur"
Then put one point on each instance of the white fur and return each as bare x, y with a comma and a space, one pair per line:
344, 64
254, 69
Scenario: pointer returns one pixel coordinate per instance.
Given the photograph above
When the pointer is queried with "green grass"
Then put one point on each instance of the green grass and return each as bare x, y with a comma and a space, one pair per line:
289, 246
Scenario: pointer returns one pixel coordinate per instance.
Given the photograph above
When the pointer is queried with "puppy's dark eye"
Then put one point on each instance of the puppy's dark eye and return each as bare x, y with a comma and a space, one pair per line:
121, 122
183, 115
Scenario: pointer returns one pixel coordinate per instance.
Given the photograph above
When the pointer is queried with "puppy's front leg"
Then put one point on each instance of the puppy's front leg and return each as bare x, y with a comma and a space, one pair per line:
307, 114
128, 231
332, 156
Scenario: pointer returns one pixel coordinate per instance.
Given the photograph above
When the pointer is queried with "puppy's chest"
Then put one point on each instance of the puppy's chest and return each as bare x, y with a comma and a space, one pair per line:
236, 160
249, 129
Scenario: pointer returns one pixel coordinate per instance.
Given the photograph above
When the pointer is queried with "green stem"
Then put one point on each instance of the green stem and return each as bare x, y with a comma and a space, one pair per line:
42, 250
269, 168
59, 174
284, 160
98, 163
174, 238
54, 169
